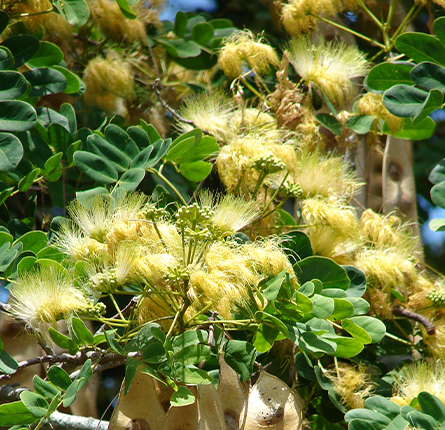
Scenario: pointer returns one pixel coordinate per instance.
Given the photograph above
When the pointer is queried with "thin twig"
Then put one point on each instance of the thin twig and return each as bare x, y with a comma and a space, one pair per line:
174, 112
167, 106
124, 312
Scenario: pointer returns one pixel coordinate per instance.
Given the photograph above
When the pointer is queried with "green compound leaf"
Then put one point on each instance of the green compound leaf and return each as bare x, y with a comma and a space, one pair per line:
26, 182
419, 420
384, 76
193, 354
131, 366
196, 171
6, 58
322, 306
437, 175
121, 140
85, 374
330, 122
296, 245
45, 81
429, 76
36, 404
419, 131
126, 9
8, 364
182, 397
61, 340
240, 356
48, 54
432, 406
361, 124
59, 377
373, 326
437, 224
70, 394
11, 152
4, 21
438, 194
76, 12
180, 48
202, 33
130, 180
180, 24
342, 309
12, 85
421, 47
22, 48
15, 413
193, 375
189, 338
326, 270
356, 331
404, 100
73, 82
272, 287
311, 342
264, 337
53, 168
45, 388
358, 281
96, 167
347, 347
432, 103
16, 115
439, 29
117, 158
84, 335
33, 241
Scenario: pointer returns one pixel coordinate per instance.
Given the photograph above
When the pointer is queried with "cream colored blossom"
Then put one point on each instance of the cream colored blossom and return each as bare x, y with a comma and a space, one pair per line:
41, 298
329, 66
242, 47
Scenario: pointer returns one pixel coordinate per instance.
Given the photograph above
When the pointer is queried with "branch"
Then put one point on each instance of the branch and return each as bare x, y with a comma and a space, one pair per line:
59, 421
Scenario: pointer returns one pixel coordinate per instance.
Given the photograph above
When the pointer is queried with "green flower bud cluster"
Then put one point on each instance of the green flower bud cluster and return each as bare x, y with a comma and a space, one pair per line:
152, 213
437, 297
177, 275
268, 165
96, 310
107, 282
194, 214
292, 190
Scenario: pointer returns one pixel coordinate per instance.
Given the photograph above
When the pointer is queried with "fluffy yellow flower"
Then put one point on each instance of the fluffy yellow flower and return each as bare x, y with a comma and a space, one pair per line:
353, 384
209, 112
235, 161
241, 47
324, 175
333, 228
420, 376
109, 84
267, 258
230, 214
388, 268
112, 23
329, 66
386, 231
43, 297
298, 15
372, 104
